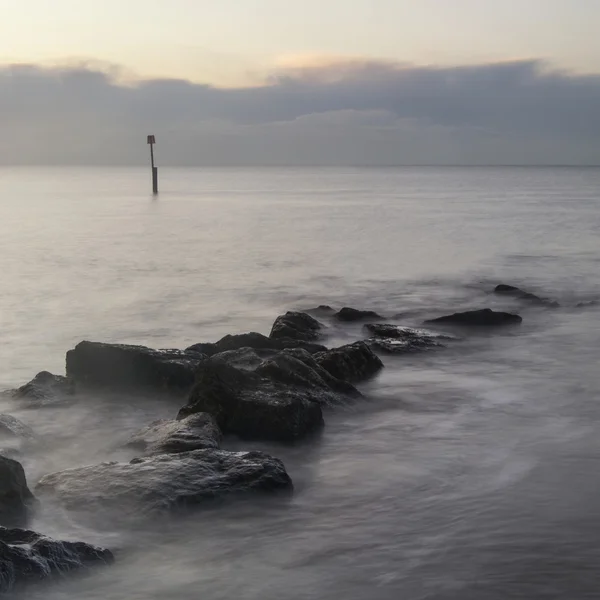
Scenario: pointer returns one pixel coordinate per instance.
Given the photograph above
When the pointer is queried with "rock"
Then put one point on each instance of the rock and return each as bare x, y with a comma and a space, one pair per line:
165, 437
485, 317
395, 339
296, 326
15, 497
46, 388
253, 340
510, 290
126, 366
587, 304
12, 427
28, 557
354, 362
351, 314
149, 486
275, 398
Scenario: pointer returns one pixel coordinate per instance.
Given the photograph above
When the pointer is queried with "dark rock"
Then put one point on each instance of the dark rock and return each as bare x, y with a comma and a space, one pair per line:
147, 486
276, 398
515, 292
12, 427
351, 314
28, 557
485, 317
15, 497
354, 362
126, 366
296, 326
46, 388
395, 339
253, 340
196, 432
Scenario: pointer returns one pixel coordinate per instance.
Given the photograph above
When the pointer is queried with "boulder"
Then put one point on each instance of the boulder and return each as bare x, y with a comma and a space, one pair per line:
15, 497
296, 326
352, 314
164, 437
46, 388
485, 317
256, 341
27, 557
127, 366
396, 339
13, 428
515, 292
166, 483
353, 362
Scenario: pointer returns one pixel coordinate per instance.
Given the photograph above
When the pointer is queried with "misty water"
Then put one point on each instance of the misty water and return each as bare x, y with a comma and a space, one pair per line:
468, 473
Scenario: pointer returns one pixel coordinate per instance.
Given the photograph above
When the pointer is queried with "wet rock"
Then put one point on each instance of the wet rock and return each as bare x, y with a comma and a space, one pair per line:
353, 362
253, 340
515, 292
166, 483
195, 432
46, 388
127, 366
27, 557
352, 314
15, 497
13, 428
276, 398
396, 339
485, 317
296, 326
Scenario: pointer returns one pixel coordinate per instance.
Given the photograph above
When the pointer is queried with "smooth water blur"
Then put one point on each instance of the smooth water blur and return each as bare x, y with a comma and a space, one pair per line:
469, 473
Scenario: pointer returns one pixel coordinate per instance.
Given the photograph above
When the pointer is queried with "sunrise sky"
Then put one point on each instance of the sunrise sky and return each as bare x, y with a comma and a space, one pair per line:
460, 79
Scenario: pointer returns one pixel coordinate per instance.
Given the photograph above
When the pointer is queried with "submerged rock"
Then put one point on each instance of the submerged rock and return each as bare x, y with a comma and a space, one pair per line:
164, 437
15, 496
46, 388
353, 362
256, 341
296, 326
125, 366
396, 339
28, 557
485, 317
515, 292
169, 482
278, 397
13, 428
352, 314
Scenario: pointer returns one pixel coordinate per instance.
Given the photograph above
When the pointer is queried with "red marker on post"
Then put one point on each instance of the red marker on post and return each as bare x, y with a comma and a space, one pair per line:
152, 141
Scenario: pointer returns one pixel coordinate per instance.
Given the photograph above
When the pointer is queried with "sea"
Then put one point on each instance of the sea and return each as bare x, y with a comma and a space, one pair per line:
465, 473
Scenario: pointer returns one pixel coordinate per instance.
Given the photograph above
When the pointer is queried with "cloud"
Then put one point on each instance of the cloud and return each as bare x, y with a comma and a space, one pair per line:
307, 111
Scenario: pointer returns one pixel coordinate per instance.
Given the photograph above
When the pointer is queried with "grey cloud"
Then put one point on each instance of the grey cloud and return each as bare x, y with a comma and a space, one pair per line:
367, 112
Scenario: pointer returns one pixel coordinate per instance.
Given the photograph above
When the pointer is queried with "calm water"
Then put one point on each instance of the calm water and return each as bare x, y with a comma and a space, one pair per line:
469, 474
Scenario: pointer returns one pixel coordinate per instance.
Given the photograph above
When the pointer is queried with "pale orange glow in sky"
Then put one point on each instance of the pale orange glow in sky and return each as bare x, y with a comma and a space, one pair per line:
234, 41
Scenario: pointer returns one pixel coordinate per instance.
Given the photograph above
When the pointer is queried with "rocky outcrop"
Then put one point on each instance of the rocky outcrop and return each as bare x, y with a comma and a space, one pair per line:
149, 486
195, 432
352, 314
510, 290
256, 341
485, 317
16, 498
11, 427
354, 362
126, 366
27, 557
296, 326
396, 339
46, 388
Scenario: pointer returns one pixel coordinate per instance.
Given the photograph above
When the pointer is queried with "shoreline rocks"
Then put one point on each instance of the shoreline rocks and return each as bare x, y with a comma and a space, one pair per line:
504, 289
350, 315
16, 499
485, 317
397, 339
296, 326
353, 363
46, 388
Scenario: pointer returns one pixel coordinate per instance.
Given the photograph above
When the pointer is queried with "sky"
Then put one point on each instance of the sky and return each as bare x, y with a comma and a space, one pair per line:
300, 82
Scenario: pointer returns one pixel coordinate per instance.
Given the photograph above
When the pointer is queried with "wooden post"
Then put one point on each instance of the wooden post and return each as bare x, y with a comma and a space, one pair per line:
152, 141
